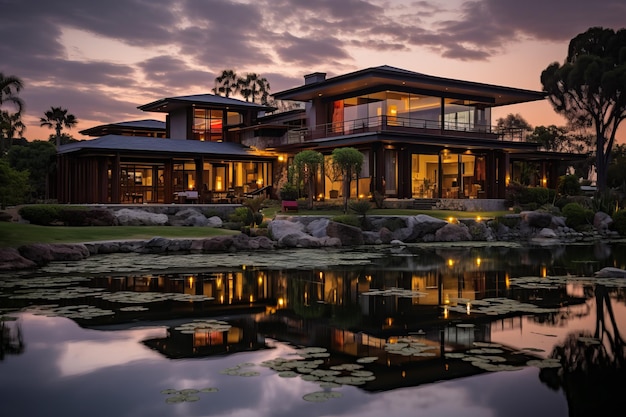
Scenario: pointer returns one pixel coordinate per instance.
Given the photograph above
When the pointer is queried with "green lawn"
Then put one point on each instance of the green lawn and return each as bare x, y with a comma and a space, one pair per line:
16, 234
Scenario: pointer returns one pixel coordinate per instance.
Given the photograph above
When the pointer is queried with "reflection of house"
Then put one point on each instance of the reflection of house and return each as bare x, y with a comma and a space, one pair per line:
422, 137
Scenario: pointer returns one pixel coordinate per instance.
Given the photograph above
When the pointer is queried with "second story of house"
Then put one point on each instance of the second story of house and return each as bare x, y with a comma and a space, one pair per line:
388, 99
206, 117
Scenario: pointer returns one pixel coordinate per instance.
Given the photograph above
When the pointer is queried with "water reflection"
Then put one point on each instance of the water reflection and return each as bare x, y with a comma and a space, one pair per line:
407, 319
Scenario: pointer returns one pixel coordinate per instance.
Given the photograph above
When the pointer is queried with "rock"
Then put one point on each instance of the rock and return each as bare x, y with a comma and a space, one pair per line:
317, 228
453, 232
422, 225
610, 272
129, 217
602, 222
349, 235
547, 233
11, 260
214, 221
536, 219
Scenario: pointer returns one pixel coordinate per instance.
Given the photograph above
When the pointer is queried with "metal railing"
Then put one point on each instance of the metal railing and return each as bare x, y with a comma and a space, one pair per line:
403, 124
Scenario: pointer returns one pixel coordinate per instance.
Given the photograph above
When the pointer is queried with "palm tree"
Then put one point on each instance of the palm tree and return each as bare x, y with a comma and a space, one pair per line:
10, 124
254, 86
58, 118
226, 83
10, 85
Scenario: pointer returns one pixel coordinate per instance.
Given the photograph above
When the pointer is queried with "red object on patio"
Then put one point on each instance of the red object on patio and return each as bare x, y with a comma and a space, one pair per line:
289, 205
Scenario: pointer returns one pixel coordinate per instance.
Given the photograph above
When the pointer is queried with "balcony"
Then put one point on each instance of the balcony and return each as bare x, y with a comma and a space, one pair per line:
382, 124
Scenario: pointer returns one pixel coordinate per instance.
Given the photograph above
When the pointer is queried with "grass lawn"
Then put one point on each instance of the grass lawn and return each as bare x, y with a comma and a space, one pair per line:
16, 234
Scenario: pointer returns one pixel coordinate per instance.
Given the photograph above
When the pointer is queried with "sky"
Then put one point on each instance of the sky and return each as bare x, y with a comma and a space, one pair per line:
103, 59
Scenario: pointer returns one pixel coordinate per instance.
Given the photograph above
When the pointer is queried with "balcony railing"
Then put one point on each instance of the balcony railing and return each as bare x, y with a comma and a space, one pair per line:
381, 124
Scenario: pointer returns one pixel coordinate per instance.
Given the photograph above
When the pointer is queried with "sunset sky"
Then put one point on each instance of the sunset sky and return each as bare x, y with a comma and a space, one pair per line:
102, 59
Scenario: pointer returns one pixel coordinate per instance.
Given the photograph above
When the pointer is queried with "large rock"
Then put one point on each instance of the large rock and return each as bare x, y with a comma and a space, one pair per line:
610, 272
602, 222
422, 225
348, 235
130, 217
453, 232
11, 260
43, 253
537, 219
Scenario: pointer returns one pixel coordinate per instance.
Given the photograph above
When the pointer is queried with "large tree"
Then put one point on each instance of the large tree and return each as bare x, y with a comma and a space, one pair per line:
308, 163
349, 161
513, 127
10, 87
226, 84
590, 88
57, 118
10, 125
252, 86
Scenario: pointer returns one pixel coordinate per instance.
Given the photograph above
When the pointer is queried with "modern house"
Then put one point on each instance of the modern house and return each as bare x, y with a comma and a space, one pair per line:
421, 137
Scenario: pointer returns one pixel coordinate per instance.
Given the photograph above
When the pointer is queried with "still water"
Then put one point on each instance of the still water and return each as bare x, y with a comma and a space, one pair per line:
414, 331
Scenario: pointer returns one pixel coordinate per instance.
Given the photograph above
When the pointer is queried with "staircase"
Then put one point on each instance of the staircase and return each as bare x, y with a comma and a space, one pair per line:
424, 203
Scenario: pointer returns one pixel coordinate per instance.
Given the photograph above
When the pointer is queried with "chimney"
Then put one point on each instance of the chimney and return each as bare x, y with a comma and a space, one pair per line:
316, 77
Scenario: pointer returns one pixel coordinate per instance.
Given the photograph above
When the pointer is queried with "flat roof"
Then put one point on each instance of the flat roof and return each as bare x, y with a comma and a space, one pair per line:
173, 147
167, 104
132, 125
397, 79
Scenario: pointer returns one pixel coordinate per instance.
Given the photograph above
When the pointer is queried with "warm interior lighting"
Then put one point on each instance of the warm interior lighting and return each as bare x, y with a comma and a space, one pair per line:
544, 272
445, 312
450, 262
218, 184
478, 261
281, 158
251, 298
468, 308
260, 280
281, 302
190, 280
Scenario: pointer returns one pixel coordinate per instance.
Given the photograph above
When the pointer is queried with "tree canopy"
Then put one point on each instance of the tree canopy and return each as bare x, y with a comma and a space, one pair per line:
307, 164
57, 118
349, 161
589, 89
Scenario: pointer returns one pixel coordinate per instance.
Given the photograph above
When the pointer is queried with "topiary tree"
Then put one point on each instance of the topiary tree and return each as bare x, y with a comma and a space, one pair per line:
307, 163
569, 185
349, 161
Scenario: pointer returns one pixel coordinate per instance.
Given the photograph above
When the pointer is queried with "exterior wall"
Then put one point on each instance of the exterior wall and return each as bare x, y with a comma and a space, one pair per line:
178, 125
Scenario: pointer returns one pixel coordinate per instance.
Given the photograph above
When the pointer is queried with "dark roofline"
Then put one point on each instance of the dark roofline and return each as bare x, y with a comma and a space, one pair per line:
171, 147
401, 77
145, 124
202, 100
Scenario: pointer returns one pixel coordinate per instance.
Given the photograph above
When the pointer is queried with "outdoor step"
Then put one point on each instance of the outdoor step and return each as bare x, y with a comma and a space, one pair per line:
424, 203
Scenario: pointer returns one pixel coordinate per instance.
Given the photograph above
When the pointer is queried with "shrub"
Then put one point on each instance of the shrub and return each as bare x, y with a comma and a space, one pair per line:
5, 217
82, 216
254, 204
257, 218
517, 194
41, 214
569, 185
349, 219
288, 192
242, 215
360, 207
619, 222
576, 216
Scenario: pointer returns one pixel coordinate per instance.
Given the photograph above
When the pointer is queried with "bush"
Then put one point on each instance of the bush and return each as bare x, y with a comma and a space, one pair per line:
288, 192
569, 185
576, 216
82, 216
242, 215
520, 195
360, 207
349, 219
41, 214
619, 222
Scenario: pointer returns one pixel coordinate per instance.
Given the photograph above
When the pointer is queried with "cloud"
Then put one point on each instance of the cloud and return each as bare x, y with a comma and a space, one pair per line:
175, 47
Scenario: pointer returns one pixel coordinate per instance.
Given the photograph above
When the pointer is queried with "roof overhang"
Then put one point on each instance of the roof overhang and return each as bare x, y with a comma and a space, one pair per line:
169, 104
394, 79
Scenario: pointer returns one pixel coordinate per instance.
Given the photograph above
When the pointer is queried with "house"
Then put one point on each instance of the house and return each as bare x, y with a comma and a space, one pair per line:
421, 136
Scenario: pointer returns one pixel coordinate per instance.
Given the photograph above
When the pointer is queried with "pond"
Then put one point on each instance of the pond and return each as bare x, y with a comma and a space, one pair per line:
437, 330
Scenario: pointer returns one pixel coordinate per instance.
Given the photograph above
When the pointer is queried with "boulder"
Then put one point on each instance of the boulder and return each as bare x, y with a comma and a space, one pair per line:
10, 260
610, 272
348, 235
422, 225
537, 219
214, 221
453, 232
602, 222
130, 217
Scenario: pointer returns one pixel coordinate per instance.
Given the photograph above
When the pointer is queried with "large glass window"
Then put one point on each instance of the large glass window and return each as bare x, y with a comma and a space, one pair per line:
208, 125
393, 108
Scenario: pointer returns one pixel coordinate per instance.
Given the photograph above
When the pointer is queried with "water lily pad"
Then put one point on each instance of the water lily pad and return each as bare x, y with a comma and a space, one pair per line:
321, 396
